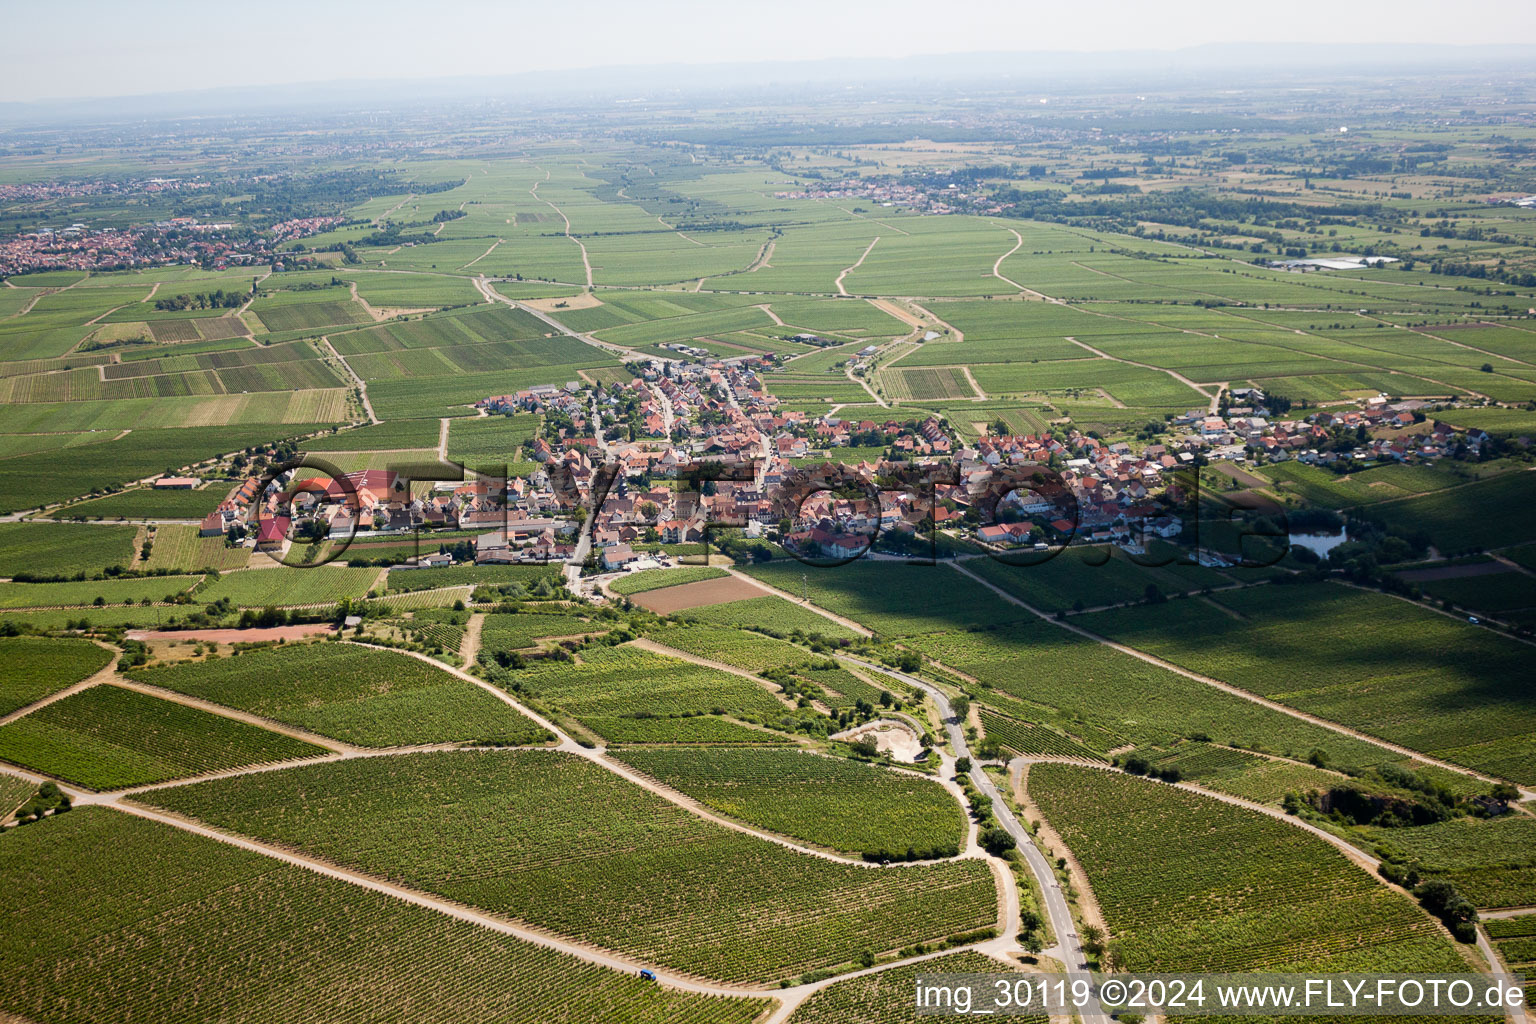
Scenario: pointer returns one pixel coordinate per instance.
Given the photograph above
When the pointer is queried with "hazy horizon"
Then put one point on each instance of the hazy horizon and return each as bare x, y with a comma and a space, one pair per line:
97, 50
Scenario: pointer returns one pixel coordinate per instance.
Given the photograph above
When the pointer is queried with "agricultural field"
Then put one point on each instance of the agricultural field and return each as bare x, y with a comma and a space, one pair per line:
63, 552
1515, 940
32, 667
1068, 277
260, 588
400, 435
454, 392
151, 503
89, 592
107, 737
442, 628
1105, 699
657, 579
773, 614
180, 547
881, 596
926, 384
369, 698
1485, 514
1250, 776
1490, 861
491, 442
1230, 889
840, 688
1416, 678
13, 793
1495, 593
625, 694
1037, 740
306, 311
151, 937
1089, 577
1328, 489
842, 805
46, 477
745, 649
657, 882
511, 632
526, 576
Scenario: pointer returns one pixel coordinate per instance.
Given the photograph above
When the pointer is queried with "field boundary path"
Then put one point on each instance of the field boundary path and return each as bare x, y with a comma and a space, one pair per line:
528, 933
853, 266
1213, 399
585, 262
362, 385
492, 295
470, 647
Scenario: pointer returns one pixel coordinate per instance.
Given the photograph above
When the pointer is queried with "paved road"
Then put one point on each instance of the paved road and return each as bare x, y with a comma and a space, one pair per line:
1069, 945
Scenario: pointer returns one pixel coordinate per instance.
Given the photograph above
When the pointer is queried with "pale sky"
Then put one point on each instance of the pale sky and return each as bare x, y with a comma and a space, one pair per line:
116, 48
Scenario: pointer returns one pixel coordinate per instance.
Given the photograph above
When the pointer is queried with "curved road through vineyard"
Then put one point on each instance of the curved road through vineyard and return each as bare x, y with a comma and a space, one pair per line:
1069, 945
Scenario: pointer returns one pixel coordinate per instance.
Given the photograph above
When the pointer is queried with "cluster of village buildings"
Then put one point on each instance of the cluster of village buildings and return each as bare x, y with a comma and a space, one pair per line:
164, 243
1378, 427
42, 191
948, 198
623, 468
